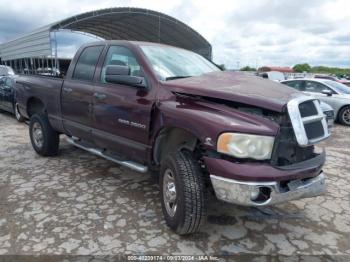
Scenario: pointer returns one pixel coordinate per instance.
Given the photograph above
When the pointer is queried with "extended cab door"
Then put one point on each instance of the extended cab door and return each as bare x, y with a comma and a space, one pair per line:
122, 113
77, 91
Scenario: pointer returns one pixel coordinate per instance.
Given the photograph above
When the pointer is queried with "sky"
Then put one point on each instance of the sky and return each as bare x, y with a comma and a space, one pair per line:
254, 32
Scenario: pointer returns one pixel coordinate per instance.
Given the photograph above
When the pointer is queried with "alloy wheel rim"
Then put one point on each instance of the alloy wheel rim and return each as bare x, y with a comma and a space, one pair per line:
346, 116
169, 192
38, 136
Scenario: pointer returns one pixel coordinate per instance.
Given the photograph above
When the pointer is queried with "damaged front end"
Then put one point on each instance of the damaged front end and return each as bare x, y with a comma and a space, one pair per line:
294, 170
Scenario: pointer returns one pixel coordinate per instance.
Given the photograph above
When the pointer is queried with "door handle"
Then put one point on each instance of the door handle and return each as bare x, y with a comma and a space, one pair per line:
99, 96
67, 89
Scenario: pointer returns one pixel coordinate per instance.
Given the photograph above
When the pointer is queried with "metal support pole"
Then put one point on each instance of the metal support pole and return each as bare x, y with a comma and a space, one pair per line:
57, 66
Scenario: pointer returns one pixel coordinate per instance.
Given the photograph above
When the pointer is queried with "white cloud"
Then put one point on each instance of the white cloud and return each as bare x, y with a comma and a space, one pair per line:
262, 32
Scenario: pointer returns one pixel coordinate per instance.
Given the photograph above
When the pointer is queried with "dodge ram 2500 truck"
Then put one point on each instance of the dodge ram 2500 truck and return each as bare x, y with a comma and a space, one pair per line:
154, 107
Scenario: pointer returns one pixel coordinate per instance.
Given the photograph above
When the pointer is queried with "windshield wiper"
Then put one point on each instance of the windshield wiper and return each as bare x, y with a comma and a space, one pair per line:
175, 77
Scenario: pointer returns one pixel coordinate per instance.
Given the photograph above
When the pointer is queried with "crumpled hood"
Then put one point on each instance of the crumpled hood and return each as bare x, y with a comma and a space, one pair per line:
238, 87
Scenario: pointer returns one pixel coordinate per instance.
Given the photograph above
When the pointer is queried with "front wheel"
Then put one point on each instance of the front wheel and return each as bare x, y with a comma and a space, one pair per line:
45, 140
182, 193
344, 116
18, 115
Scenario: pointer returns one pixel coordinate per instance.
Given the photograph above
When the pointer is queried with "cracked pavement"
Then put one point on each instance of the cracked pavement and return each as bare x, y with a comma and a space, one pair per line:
77, 203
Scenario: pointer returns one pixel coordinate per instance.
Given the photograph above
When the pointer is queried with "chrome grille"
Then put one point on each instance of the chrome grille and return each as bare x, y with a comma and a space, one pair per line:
308, 121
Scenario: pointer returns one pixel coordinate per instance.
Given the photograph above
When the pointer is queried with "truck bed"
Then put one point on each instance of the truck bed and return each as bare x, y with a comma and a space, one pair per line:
45, 88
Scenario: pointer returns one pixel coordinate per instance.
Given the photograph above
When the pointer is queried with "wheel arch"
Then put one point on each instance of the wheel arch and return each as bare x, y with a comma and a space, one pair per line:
340, 109
35, 105
169, 138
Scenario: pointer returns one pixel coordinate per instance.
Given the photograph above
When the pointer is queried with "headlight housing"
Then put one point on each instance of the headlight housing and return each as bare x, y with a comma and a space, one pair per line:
246, 145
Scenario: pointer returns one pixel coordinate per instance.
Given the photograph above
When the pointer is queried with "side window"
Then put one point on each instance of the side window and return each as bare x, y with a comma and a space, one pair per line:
86, 64
119, 55
314, 87
9, 82
297, 85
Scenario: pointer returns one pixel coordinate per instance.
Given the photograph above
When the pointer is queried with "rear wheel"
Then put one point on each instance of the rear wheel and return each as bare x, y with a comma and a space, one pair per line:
18, 115
45, 140
344, 116
182, 193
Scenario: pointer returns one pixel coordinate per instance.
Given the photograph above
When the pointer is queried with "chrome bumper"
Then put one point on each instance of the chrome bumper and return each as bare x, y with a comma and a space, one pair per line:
266, 193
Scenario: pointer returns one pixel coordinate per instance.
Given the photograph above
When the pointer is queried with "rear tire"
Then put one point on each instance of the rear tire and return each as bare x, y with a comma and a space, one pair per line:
18, 115
44, 139
344, 116
182, 192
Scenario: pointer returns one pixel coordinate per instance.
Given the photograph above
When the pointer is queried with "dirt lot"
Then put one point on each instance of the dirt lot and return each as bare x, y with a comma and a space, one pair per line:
77, 203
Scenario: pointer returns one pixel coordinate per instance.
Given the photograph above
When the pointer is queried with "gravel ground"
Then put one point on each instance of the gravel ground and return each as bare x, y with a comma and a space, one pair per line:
77, 203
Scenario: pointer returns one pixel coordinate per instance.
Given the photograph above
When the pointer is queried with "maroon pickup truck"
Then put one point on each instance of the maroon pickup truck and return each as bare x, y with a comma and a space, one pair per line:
153, 107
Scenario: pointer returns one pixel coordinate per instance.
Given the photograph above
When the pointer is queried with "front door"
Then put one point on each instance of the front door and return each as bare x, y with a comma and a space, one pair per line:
316, 89
77, 94
121, 113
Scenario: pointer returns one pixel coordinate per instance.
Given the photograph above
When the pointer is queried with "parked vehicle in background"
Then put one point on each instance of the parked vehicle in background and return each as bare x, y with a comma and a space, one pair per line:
7, 97
329, 113
273, 75
48, 71
333, 78
6, 71
149, 106
333, 93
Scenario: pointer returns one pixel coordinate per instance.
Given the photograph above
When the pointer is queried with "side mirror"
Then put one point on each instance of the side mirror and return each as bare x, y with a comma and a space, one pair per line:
120, 74
327, 92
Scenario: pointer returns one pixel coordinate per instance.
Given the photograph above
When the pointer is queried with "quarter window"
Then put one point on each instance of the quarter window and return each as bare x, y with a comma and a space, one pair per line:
86, 64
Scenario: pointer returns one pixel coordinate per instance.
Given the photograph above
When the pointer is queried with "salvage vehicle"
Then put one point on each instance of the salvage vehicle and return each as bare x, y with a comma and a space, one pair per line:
153, 107
7, 97
335, 94
273, 75
6, 71
343, 81
329, 113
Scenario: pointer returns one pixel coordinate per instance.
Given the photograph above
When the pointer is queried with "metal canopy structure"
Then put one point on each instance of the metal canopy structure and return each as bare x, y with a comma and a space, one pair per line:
135, 24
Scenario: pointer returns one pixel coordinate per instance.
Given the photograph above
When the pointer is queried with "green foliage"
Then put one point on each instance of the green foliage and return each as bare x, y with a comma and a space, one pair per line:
248, 68
300, 68
330, 70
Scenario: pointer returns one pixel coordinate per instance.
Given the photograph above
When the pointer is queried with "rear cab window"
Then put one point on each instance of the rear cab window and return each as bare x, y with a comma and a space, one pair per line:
86, 64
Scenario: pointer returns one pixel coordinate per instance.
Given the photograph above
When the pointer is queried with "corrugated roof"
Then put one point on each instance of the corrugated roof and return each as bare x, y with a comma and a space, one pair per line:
124, 23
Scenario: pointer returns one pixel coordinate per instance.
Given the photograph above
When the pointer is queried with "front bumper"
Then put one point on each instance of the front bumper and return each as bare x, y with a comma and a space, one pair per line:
266, 193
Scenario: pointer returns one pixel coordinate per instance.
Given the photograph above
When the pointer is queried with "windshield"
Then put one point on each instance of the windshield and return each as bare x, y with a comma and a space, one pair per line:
338, 87
171, 62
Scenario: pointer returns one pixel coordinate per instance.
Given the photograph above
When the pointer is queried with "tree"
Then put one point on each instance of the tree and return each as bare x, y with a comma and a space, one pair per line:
300, 68
247, 68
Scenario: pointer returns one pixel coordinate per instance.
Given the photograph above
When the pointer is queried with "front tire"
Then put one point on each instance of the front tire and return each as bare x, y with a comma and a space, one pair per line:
44, 139
344, 116
182, 193
18, 115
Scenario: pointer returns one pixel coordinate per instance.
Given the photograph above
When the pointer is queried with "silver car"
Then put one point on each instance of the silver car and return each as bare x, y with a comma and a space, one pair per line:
333, 93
